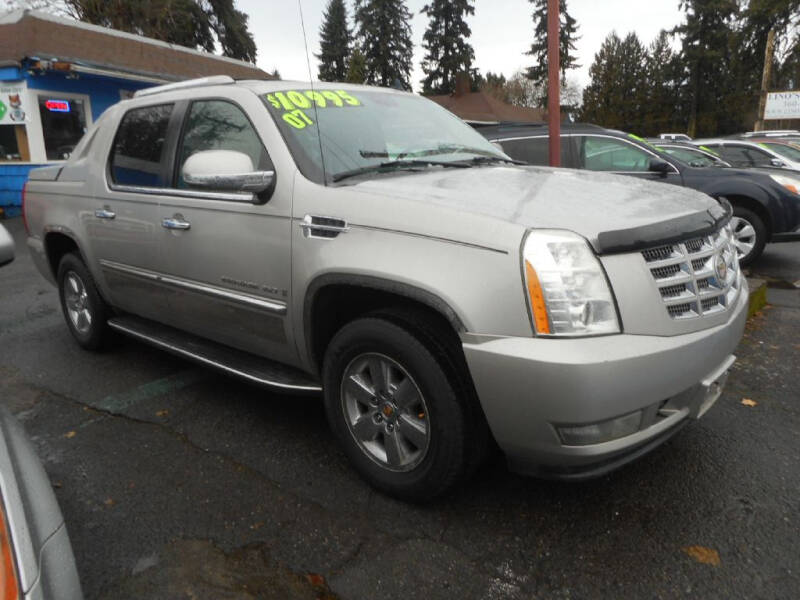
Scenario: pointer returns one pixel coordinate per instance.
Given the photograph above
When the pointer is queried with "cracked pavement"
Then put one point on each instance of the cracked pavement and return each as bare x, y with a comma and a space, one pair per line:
177, 482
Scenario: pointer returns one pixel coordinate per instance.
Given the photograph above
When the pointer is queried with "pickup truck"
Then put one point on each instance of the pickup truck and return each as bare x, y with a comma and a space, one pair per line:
367, 244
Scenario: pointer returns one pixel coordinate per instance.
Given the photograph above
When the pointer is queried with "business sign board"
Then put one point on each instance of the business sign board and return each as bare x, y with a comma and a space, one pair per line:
12, 104
782, 105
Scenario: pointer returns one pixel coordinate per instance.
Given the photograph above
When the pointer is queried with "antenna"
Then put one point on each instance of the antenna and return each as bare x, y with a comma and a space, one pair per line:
311, 83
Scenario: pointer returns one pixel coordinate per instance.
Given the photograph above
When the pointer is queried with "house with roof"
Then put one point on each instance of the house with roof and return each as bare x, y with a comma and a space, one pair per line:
481, 108
57, 76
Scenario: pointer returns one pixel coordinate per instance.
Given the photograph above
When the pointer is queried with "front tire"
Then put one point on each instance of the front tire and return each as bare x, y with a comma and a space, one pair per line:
394, 410
749, 234
84, 310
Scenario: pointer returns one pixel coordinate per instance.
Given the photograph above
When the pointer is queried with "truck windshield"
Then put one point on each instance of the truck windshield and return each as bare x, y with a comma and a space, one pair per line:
363, 129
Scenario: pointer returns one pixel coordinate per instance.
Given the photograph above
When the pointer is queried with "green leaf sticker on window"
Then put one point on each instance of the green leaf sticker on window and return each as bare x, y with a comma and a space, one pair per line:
3, 110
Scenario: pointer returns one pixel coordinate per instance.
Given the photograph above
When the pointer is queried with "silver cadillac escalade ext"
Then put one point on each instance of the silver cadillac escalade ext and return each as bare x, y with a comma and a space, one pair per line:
367, 243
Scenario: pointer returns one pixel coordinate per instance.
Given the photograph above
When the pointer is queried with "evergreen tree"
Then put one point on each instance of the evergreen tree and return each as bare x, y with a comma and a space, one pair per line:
602, 98
384, 37
708, 53
334, 43
566, 44
632, 82
662, 109
356, 67
447, 51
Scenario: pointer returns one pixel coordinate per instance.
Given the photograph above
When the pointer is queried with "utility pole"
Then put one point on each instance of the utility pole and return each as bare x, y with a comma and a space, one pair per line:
553, 83
762, 101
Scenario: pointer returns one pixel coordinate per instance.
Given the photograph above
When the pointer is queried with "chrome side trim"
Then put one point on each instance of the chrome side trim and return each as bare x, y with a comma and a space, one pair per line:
323, 228
255, 182
246, 198
207, 361
273, 306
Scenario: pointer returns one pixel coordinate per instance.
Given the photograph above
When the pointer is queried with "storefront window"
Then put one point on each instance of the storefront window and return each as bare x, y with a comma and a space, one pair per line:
63, 125
14, 143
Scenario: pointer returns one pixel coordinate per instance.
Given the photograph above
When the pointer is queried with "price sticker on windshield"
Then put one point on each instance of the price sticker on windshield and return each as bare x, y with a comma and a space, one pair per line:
295, 103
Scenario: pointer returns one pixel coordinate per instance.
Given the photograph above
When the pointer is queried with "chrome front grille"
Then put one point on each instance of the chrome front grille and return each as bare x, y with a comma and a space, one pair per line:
696, 277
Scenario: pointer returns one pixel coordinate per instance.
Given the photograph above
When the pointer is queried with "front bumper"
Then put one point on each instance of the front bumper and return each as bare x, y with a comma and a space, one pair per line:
528, 387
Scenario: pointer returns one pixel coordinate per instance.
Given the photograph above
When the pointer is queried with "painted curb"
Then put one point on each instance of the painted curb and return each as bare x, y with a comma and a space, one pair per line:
758, 295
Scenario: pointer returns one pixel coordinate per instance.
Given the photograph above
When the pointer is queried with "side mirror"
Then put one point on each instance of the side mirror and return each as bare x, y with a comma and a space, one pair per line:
659, 166
6, 247
776, 162
225, 171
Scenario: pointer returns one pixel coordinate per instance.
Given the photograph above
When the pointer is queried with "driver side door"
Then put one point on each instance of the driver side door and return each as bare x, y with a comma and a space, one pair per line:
227, 254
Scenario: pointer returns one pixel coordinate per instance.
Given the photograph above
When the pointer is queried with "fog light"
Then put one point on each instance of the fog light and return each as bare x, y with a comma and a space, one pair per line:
605, 431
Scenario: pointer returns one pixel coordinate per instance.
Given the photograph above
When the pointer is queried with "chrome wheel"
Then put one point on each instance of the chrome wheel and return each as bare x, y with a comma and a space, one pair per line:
77, 302
744, 236
385, 412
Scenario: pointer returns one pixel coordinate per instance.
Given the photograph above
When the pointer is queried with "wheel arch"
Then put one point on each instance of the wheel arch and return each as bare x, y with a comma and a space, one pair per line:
754, 205
58, 242
334, 299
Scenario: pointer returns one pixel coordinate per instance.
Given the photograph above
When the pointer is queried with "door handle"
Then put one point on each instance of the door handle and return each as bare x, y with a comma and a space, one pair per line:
176, 222
104, 213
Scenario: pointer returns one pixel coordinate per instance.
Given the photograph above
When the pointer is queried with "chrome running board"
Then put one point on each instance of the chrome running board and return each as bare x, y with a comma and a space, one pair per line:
243, 365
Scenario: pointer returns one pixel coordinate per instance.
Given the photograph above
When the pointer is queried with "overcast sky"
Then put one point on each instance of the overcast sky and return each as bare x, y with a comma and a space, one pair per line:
502, 31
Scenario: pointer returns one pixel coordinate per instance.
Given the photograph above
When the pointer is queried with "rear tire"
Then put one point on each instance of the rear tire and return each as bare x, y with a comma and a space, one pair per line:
749, 234
394, 409
84, 310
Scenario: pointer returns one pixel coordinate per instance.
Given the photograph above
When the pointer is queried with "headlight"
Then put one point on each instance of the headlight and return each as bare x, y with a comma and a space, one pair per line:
790, 183
567, 288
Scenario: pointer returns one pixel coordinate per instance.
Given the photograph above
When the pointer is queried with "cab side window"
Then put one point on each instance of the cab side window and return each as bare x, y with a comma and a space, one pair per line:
138, 152
219, 125
611, 154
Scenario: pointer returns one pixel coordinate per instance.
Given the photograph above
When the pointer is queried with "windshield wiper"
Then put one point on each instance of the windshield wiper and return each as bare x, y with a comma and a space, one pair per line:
435, 151
397, 164
485, 160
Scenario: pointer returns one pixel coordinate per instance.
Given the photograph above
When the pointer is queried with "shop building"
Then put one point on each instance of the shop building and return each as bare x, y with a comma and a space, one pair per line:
57, 76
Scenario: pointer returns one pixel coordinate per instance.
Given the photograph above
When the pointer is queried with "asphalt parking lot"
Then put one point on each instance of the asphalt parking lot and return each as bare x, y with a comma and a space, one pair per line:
176, 482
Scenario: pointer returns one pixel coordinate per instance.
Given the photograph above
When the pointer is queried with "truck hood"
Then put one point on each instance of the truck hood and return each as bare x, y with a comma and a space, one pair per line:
613, 212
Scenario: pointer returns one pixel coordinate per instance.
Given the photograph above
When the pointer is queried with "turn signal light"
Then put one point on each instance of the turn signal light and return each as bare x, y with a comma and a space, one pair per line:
538, 306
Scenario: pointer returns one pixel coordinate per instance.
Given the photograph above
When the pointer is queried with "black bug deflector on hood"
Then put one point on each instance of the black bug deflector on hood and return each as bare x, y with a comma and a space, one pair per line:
665, 232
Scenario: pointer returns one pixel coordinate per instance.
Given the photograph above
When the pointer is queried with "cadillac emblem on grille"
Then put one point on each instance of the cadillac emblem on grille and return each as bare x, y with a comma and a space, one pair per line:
720, 268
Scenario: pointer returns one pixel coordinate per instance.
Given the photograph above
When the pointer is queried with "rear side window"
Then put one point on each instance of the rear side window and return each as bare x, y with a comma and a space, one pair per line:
536, 150
138, 153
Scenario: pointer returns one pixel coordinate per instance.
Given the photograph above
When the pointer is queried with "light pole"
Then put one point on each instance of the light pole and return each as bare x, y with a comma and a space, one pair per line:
553, 84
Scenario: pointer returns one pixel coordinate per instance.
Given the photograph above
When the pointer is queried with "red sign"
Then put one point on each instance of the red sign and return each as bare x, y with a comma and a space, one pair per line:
57, 105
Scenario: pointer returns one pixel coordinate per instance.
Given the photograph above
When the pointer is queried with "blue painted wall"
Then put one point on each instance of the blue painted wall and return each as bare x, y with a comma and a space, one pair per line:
102, 91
